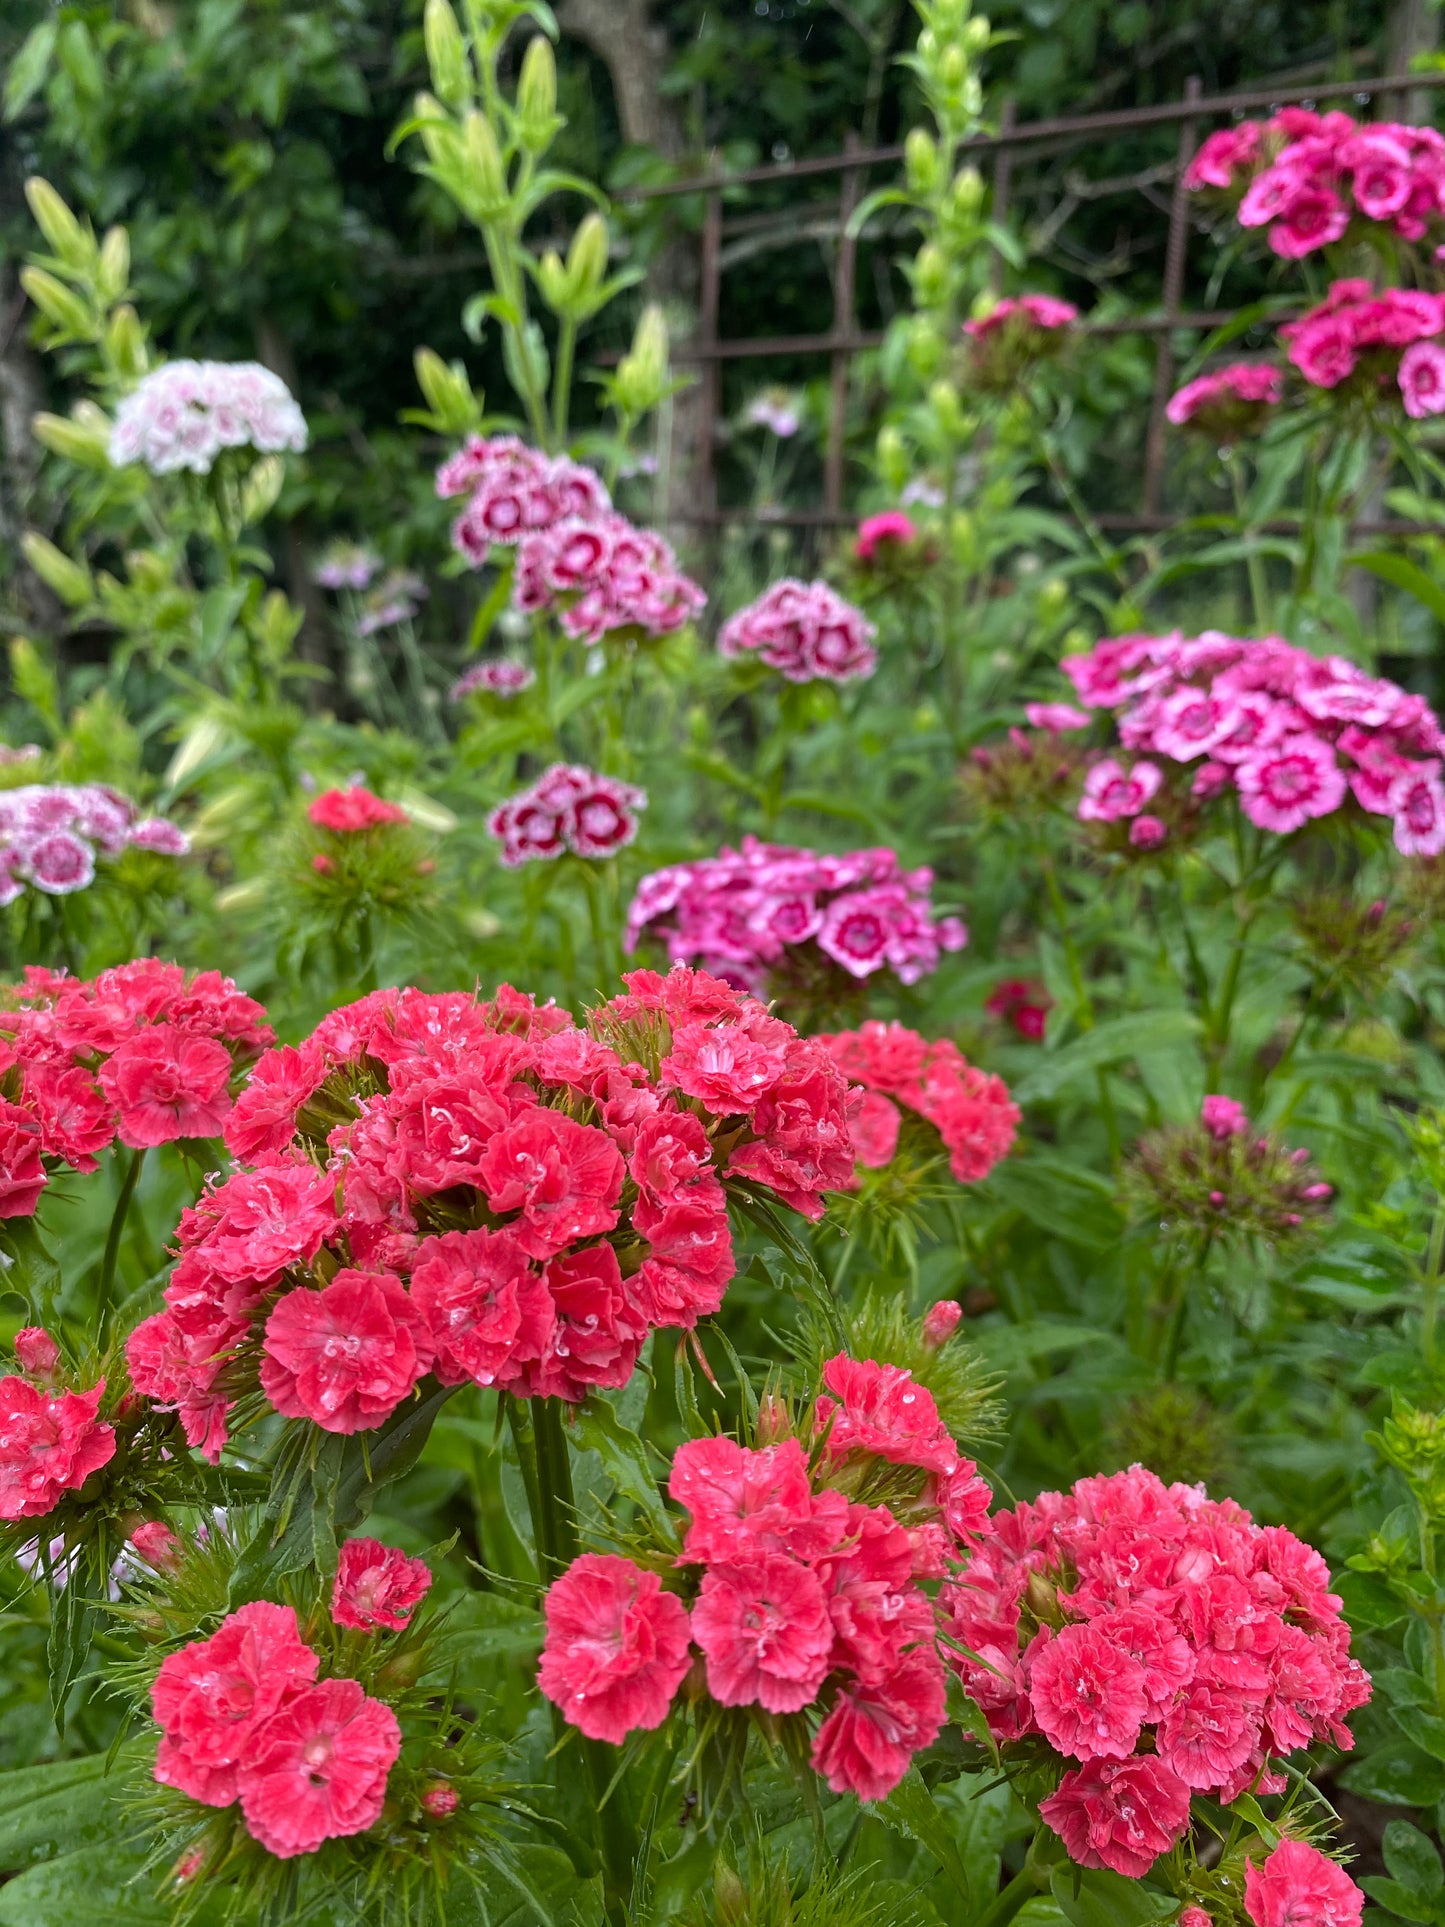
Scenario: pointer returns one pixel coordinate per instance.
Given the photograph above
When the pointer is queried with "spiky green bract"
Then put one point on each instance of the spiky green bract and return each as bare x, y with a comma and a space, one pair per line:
1351, 948
1192, 1186
411, 1865
881, 1327
769, 1893
890, 1210
1177, 1433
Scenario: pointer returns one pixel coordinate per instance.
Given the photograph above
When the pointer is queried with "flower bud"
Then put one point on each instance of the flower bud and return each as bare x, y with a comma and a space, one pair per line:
774, 1422
87, 445
112, 270
67, 238
920, 161
61, 306
38, 1353
488, 197
941, 1322
641, 380
930, 275
125, 342
439, 1801
977, 34
537, 117
953, 69
70, 580
966, 193
943, 399
924, 346
729, 1895
446, 54
157, 1545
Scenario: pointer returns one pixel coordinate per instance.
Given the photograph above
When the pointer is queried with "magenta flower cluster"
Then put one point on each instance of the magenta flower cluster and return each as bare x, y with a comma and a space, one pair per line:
1027, 310
741, 912
1387, 337
1306, 177
498, 676
1228, 400
568, 808
804, 630
182, 415
1294, 735
575, 555
52, 833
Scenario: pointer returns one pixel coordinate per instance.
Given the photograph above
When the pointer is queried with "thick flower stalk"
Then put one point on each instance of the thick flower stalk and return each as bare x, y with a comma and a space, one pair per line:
796, 1595
757, 911
485, 1191
1295, 737
892, 1067
1138, 1644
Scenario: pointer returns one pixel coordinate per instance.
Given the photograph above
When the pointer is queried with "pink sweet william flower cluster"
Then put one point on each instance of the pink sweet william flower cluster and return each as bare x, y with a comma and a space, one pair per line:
806, 631
744, 913
1378, 341
1014, 335
1307, 177
1161, 1643
499, 676
569, 808
1230, 402
799, 1579
574, 554
141, 1053
892, 1065
1028, 311
349, 811
244, 1719
1293, 735
52, 833
888, 531
486, 1191
51, 1438
182, 415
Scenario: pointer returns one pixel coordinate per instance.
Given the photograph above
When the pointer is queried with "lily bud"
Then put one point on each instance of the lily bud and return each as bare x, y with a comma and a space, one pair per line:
930, 275
642, 375
446, 54
66, 236
112, 270
488, 197
125, 342
70, 580
60, 305
966, 193
920, 161
538, 121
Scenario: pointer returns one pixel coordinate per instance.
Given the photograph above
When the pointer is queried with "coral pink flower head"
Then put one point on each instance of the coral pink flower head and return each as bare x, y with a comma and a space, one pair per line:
764, 1628
168, 1083
37, 1351
616, 1648
562, 1178
376, 1586
346, 1356
1298, 1886
874, 1729
352, 809
317, 1769
1087, 1694
1119, 1814
488, 1311
48, 1445
210, 1698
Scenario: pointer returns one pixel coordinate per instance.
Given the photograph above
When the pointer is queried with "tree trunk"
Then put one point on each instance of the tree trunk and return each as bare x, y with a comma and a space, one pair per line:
634, 50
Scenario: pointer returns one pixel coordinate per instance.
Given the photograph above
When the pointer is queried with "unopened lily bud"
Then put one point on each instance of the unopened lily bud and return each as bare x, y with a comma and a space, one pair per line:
642, 374
38, 1353
977, 34
70, 580
112, 270
446, 54
125, 342
943, 399
953, 69
486, 176
930, 275
60, 305
966, 193
65, 234
924, 347
920, 161
537, 117
941, 1322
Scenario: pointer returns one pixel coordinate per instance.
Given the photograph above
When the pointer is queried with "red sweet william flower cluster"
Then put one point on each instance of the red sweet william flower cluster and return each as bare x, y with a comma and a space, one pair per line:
970, 1109
1298, 1886
808, 1601
243, 1717
141, 1053
484, 1190
1307, 177
1161, 1643
51, 1438
350, 810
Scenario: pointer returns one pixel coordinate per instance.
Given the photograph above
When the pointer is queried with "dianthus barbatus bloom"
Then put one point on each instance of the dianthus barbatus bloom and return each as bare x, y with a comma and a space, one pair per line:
571, 808
804, 630
51, 835
183, 414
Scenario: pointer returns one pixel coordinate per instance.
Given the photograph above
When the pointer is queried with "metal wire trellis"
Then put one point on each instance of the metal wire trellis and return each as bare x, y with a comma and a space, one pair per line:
709, 349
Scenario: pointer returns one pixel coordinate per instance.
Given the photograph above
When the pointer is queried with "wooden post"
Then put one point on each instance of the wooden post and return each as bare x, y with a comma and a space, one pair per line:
845, 274
1174, 257
709, 379
1003, 180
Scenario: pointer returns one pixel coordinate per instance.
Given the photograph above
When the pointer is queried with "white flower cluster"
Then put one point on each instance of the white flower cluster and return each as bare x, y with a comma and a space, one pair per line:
186, 412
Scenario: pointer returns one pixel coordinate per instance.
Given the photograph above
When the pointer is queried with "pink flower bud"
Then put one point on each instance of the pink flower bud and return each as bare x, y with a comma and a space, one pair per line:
322, 864
1316, 1191
188, 1866
1216, 1198
1223, 1118
157, 1545
439, 1801
1147, 832
1300, 1156
38, 1352
1292, 1218
773, 1422
941, 1322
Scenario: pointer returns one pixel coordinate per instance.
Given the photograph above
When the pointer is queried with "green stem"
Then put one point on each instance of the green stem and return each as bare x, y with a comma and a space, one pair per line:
1217, 1035
1084, 1008
1014, 1898
113, 1237
562, 381
1430, 1286
1253, 561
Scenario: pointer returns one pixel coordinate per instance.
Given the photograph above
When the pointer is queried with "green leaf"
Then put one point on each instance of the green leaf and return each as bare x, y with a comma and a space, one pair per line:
1400, 1901
63, 1804
1110, 1043
1427, 1730
99, 1886
1413, 1860
1400, 1776
1399, 571
29, 68
1008, 1348
598, 1429
390, 1453
912, 1810
1093, 1897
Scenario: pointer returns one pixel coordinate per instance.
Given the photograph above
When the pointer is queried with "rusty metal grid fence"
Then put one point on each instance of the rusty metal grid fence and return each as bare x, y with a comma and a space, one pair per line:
708, 349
